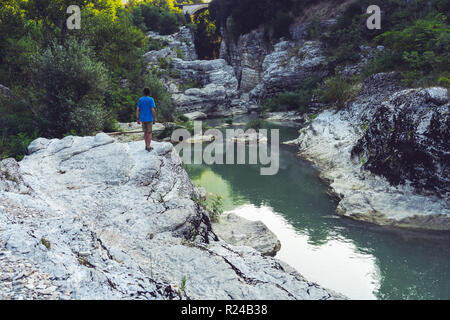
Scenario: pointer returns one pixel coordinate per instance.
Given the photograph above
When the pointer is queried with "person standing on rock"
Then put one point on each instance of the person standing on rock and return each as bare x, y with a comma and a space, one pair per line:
146, 114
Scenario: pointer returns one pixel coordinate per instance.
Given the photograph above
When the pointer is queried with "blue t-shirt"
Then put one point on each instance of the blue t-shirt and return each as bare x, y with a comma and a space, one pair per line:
145, 105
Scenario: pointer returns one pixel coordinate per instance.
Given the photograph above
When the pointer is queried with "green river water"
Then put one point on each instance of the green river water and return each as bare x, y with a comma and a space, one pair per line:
361, 261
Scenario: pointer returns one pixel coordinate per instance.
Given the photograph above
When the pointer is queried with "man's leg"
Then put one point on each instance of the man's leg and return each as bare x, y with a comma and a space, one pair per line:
147, 143
150, 136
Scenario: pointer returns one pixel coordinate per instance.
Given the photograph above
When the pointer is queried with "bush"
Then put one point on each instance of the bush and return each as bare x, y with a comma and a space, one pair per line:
424, 48
159, 17
15, 146
206, 36
71, 87
444, 81
289, 100
298, 100
117, 43
255, 124
337, 91
382, 62
189, 84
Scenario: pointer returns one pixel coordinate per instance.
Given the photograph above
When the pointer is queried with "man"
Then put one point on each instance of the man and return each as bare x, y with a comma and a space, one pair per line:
146, 114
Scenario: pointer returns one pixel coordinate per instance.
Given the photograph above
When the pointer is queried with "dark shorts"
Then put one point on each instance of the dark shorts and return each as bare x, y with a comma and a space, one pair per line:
147, 127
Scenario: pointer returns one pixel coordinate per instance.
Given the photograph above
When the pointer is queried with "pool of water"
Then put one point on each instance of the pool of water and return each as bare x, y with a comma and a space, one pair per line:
359, 260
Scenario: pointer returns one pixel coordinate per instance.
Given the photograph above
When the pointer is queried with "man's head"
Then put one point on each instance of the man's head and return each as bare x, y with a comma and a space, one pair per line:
146, 91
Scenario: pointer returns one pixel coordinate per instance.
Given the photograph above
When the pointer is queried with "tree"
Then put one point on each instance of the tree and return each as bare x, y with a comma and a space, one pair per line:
70, 87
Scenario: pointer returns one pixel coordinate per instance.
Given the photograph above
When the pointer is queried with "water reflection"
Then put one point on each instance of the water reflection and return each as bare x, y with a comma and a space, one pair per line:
336, 264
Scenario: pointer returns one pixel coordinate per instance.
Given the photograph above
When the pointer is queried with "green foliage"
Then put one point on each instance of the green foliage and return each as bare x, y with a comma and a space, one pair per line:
157, 16
314, 30
289, 100
213, 204
165, 63
183, 283
215, 207
71, 89
444, 82
207, 36
255, 124
15, 146
416, 37
72, 81
242, 16
383, 62
19, 40
424, 48
189, 84
180, 53
299, 99
189, 125
182, 118
156, 44
337, 91
117, 43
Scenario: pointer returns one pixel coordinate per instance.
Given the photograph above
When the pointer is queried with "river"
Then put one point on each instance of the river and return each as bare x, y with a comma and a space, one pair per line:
359, 260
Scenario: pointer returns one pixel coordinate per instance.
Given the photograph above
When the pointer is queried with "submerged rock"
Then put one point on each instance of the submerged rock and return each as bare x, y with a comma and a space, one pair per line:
242, 232
197, 115
108, 220
386, 155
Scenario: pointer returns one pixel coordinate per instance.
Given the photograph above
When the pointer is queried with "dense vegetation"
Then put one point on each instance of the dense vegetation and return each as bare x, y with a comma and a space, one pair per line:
161, 16
207, 36
242, 16
415, 34
76, 81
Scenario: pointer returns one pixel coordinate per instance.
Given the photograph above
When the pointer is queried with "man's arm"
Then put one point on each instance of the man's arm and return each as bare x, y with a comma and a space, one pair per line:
137, 116
154, 115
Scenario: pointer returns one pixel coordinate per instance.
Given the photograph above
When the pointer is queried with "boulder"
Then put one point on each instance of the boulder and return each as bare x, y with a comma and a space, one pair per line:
238, 231
153, 57
288, 67
197, 115
385, 155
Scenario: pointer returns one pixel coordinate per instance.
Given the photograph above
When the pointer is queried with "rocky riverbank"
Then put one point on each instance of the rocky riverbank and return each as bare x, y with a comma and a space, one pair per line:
91, 218
386, 155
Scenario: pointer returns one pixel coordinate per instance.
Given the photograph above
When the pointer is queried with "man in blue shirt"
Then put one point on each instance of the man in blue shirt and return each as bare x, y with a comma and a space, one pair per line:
146, 114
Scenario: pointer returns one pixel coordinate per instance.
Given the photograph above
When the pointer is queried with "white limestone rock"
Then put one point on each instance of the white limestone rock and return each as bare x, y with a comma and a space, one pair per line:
108, 220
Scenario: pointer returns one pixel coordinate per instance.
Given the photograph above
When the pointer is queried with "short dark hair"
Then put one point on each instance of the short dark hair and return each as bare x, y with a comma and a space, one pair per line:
146, 91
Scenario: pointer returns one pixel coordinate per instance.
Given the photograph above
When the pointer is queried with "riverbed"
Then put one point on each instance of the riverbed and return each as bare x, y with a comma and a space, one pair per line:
359, 260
